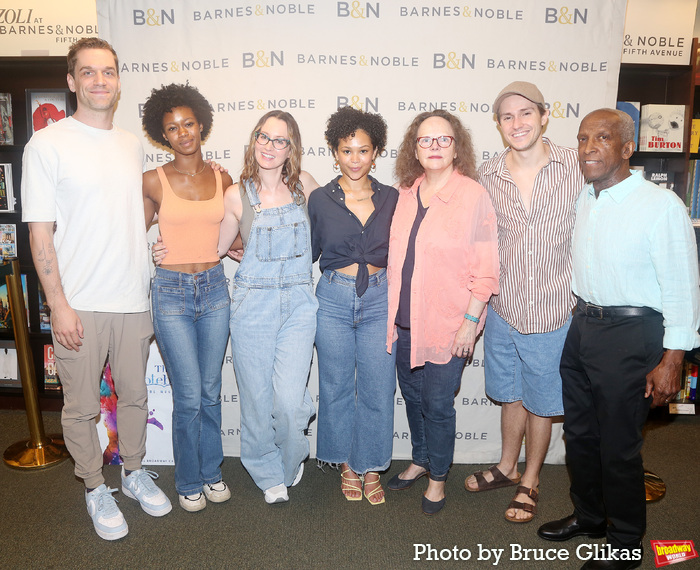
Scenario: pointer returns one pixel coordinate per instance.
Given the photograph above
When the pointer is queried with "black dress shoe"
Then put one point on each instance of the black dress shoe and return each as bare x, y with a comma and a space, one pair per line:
397, 484
432, 507
567, 528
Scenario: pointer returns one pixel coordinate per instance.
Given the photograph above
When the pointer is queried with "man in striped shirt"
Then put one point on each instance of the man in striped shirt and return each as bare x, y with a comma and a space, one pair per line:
534, 185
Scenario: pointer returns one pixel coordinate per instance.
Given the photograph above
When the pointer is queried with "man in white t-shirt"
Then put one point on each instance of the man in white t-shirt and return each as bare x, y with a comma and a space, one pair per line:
81, 195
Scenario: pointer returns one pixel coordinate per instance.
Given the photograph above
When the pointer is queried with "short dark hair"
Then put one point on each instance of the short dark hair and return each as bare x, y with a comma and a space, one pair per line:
169, 97
88, 43
346, 121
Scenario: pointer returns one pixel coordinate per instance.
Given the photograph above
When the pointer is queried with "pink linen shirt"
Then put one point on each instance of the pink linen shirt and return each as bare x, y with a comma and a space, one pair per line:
456, 257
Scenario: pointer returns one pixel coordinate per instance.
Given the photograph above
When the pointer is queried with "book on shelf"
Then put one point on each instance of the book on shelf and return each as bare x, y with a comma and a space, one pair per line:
692, 199
9, 375
695, 136
44, 313
662, 178
661, 128
6, 131
7, 195
5, 315
8, 241
51, 379
632, 109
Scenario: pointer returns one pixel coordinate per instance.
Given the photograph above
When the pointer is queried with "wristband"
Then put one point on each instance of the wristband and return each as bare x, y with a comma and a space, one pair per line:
471, 318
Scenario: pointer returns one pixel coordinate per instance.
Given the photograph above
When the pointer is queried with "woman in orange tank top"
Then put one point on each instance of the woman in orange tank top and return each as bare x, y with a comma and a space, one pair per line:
189, 294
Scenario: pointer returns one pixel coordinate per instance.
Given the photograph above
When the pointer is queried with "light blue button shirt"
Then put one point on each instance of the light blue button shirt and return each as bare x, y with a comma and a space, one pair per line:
634, 245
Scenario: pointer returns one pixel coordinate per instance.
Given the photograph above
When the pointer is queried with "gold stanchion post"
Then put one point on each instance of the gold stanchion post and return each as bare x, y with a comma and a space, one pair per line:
40, 450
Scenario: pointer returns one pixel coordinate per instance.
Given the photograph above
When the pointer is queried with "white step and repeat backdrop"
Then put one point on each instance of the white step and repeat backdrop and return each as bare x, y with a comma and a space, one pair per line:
397, 58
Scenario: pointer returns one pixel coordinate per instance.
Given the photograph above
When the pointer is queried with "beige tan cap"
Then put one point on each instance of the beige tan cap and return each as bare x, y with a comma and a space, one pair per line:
522, 88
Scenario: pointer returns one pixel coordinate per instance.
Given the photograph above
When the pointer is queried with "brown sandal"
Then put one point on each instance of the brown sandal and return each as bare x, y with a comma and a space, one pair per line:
499, 480
527, 507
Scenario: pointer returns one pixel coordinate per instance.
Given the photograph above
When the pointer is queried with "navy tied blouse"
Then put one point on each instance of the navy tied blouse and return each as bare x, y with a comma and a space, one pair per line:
339, 238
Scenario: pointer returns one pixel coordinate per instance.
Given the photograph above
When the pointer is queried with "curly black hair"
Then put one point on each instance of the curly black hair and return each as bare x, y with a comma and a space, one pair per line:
167, 98
347, 120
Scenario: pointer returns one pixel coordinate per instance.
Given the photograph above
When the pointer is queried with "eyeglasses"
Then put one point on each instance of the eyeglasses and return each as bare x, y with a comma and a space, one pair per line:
279, 144
443, 141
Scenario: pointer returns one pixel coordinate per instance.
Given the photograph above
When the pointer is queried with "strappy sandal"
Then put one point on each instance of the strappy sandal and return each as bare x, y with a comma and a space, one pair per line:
373, 492
349, 484
499, 480
527, 507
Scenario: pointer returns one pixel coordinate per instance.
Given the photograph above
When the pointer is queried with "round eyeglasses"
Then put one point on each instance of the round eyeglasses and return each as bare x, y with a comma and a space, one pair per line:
443, 141
279, 144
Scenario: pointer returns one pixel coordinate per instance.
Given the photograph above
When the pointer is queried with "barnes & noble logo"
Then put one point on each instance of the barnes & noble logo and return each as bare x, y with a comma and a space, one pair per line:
261, 59
354, 101
357, 10
451, 60
565, 15
149, 17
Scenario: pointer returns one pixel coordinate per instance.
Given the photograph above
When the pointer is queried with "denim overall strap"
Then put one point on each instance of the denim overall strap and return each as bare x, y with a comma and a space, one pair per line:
252, 195
278, 251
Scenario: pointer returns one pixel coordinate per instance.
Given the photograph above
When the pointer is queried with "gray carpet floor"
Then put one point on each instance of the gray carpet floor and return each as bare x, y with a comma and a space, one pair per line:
44, 524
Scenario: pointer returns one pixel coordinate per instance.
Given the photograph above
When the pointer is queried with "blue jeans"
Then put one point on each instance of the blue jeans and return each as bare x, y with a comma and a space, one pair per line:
272, 334
429, 394
357, 376
190, 319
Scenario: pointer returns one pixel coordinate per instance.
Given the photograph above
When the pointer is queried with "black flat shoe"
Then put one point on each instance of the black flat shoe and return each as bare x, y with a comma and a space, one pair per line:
397, 484
432, 507
567, 528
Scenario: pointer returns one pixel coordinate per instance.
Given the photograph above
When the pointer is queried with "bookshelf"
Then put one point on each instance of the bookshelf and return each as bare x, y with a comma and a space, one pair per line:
669, 85
16, 75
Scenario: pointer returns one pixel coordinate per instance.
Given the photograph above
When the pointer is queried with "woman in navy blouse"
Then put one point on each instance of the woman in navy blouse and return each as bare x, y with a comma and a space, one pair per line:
350, 220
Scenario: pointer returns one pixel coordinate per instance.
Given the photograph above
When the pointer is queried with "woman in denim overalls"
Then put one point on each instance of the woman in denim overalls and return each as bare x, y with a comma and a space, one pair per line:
273, 307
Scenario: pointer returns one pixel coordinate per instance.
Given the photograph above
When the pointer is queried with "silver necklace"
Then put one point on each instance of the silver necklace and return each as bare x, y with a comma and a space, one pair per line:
189, 173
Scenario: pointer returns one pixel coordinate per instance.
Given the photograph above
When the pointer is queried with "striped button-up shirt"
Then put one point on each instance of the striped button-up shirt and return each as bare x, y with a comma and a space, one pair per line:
534, 248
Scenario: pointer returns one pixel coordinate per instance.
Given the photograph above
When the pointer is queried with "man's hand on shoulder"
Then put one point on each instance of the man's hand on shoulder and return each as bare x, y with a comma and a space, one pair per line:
67, 327
664, 382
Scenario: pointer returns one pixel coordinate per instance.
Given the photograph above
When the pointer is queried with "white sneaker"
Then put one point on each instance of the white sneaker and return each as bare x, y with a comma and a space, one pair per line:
105, 514
217, 492
139, 485
276, 494
193, 503
300, 473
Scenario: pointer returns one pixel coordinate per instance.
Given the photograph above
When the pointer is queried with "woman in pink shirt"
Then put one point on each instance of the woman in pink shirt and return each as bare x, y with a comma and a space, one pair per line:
443, 268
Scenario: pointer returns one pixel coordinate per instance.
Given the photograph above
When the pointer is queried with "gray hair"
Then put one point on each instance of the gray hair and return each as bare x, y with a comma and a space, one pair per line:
625, 127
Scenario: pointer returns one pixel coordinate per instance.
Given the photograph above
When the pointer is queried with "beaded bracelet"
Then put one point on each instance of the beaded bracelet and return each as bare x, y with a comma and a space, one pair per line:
471, 318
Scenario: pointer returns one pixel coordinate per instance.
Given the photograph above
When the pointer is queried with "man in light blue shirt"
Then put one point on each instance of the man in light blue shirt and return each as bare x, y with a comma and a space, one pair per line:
635, 273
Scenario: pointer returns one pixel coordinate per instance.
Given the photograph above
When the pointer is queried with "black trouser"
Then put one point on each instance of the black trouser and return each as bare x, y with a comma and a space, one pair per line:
603, 368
